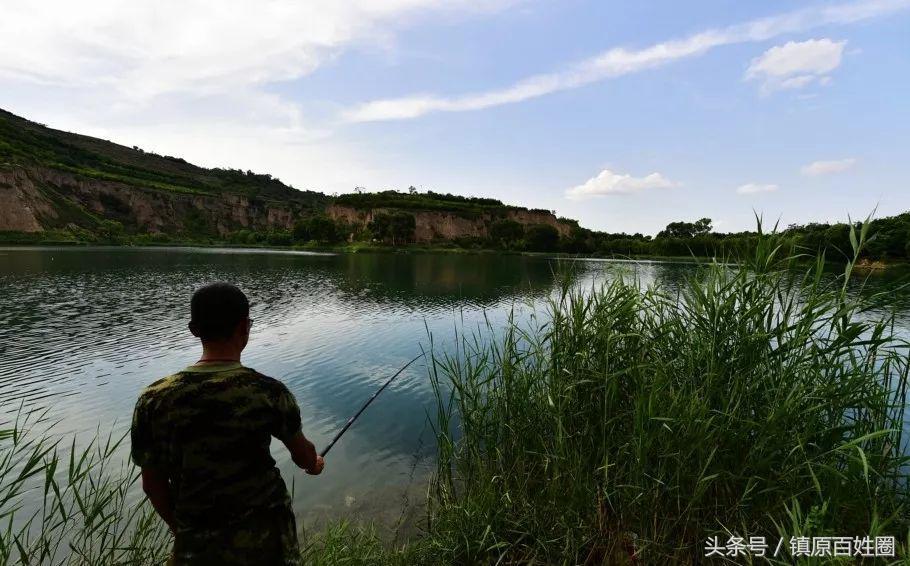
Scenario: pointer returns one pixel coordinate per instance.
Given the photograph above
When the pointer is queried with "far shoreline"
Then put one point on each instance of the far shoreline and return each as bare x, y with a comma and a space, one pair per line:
867, 267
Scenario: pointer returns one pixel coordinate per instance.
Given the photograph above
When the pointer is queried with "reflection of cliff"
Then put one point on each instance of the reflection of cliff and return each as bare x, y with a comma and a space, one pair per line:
278, 280
432, 225
442, 279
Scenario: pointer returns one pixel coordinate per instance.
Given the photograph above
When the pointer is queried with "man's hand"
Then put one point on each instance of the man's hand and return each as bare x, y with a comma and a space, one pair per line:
304, 454
317, 468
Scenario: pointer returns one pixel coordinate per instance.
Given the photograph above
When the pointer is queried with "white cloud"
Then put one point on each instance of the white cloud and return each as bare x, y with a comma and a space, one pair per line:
817, 168
246, 130
192, 77
753, 188
795, 65
148, 47
621, 61
609, 183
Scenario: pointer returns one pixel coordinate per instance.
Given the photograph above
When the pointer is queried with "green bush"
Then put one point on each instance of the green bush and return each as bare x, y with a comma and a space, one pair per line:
507, 234
279, 238
541, 238
87, 515
320, 228
151, 238
111, 232
395, 228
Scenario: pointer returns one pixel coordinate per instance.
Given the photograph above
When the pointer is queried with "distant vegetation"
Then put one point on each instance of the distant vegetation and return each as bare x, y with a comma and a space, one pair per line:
889, 241
395, 228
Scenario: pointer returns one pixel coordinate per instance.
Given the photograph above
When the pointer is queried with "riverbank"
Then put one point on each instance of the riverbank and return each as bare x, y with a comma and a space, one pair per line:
863, 266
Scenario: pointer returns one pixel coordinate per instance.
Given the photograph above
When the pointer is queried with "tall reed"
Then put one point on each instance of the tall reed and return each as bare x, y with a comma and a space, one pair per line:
633, 423
81, 508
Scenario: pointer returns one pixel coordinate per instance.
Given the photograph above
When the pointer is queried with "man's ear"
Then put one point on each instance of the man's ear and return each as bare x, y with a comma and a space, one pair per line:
193, 329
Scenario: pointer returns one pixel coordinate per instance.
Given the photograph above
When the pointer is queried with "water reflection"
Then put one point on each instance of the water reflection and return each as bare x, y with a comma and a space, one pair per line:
83, 330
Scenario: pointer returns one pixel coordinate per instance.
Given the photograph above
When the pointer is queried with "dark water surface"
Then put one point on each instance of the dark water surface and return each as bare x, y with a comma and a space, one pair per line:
82, 330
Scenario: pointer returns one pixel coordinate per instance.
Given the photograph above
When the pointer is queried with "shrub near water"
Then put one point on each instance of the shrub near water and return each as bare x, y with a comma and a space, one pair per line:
638, 422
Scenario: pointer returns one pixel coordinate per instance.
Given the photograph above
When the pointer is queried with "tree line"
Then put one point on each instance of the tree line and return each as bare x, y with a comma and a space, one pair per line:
889, 241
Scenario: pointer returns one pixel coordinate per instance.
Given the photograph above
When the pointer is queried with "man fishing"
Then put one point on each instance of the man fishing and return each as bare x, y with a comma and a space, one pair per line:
201, 437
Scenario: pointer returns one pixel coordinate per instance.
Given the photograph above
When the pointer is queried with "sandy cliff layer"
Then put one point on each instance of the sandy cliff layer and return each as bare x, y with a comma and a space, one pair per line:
35, 199
38, 198
21, 204
438, 225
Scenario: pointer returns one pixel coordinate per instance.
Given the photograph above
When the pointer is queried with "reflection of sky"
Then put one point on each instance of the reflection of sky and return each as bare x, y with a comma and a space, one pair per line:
82, 331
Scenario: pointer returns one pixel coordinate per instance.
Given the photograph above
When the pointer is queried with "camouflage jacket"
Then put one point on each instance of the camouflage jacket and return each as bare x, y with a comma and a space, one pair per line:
208, 428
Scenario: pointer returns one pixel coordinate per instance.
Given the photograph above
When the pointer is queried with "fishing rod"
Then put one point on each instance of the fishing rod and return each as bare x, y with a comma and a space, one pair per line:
367, 404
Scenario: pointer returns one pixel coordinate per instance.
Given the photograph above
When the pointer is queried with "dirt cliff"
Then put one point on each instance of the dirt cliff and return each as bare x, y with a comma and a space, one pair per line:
38, 198
52, 179
431, 225
33, 199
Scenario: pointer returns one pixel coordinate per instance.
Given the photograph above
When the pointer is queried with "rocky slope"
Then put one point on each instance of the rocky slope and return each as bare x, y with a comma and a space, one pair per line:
54, 180
436, 225
33, 199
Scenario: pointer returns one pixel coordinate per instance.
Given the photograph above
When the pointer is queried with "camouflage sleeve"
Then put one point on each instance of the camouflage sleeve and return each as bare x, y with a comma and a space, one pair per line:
144, 450
287, 415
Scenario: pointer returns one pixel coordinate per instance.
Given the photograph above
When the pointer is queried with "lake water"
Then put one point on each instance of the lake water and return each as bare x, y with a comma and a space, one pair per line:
83, 330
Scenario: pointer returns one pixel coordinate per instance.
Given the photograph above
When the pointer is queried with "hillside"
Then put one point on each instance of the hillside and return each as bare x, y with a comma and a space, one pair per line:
60, 187
445, 217
70, 186
29, 144
54, 180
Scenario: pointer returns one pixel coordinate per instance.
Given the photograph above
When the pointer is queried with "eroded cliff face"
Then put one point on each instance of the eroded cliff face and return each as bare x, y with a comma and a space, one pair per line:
21, 204
34, 199
37, 199
437, 225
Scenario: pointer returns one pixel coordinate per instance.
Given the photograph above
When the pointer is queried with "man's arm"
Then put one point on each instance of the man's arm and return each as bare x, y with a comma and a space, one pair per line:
156, 486
303, 452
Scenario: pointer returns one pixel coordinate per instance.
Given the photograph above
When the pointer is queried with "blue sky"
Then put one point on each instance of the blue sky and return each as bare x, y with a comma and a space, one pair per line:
625, 116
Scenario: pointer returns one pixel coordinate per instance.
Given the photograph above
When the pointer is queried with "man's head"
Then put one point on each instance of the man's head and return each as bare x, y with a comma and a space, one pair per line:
220, 313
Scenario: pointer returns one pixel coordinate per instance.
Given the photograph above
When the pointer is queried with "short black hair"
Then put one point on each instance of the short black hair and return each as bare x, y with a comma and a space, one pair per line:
216, 309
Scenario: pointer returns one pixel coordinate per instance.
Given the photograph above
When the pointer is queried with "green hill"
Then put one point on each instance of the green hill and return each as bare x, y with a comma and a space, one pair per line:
27, 143
61, 186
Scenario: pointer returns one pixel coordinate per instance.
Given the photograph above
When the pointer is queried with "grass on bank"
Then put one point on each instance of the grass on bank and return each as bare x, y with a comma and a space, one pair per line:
622, 423
762, 401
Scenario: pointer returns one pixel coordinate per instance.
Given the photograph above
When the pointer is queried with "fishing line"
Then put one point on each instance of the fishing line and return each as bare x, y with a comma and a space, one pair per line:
367, 404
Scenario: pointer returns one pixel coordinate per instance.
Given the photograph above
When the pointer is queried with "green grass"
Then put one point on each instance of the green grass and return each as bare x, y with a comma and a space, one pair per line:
357, 545
619, 422
761, 401
134, 180
84, 512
